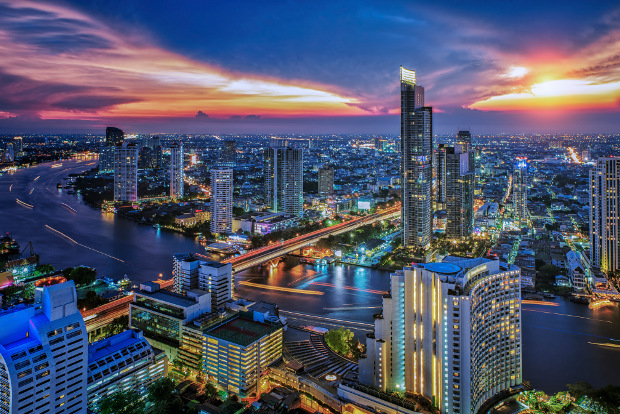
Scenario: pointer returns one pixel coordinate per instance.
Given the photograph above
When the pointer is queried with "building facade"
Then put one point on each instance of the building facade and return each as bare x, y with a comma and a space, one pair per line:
519, 190
605, 214
458, 184
217, 279
126, 172
326, 181
113, 137
228, 154
450, 331
185, 269
176, 171
43, 350
416, 133
284, 177
123, 362
221, 200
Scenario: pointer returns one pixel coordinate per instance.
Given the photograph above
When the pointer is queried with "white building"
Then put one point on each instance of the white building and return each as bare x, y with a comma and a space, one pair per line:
126, 172
450, 331
185, 269
43, 351
216, 278
605, 214
221, 200
576, 271
176, 170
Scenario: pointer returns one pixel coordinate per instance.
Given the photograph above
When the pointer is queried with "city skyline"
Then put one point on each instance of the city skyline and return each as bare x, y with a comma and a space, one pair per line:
75, 67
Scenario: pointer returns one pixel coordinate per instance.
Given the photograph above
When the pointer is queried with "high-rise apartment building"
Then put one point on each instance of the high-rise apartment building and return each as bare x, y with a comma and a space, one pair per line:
18, 145
221, 200
455, 177
9, 152
150, 153
519, 190
123, 362
326, 181
284, 178
228, 154
416, 133
216, 278
605, 214
126, 172
113, 138
185, 268
43, 351
176, 171
450, 331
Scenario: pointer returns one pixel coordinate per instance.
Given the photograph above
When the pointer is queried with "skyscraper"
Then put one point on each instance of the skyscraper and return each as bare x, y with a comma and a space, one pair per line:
44, 350
228, 154
126, 172
326, 181
457, 184
221, 200
284, 178
450, 331
176, 171
18, 144
416, 133
217, 279
605, 214
519, 190
113, 137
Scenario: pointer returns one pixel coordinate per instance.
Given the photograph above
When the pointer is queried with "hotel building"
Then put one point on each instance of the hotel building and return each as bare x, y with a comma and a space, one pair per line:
449, 331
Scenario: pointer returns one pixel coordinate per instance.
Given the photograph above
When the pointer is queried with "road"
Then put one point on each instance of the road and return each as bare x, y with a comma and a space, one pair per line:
264, 254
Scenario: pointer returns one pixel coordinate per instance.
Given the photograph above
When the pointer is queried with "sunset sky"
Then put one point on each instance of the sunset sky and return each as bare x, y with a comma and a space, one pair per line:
307, 66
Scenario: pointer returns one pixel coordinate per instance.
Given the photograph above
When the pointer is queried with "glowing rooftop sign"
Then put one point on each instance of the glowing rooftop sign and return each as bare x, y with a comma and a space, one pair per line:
407, 76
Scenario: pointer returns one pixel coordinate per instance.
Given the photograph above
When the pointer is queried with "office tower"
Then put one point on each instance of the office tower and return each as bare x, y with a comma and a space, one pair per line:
416, 133
126, 172
519, 190
239, 349
326, 181
43, 349
221, 200
605, 214
284, 178
113, 137
185, 268
228, 154
157, 152
18, 145
440, 176
217, 279
457, 183
176, 171
123, 362
450, 331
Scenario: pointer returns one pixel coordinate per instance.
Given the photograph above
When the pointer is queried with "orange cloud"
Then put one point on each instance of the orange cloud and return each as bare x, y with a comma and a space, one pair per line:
117, 75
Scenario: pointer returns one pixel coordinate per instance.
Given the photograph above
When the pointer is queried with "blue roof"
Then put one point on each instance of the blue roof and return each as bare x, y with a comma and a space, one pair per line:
444, 268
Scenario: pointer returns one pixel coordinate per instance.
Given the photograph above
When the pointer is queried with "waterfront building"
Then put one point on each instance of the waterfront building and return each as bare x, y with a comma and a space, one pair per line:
416, 132
326, 181
185, 269
113, 138
605, 214
284, 177
449, 331
123, 362
576, 271
221, 200
519, 190
238, 349
457, 183
176, 171
161, 314
126, 172
217, 279
43, 349
228, 154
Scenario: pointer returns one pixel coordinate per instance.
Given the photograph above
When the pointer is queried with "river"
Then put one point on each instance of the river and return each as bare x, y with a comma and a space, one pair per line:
561, 344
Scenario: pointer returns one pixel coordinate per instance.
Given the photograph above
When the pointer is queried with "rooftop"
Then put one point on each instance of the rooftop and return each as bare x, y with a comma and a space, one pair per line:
242, 331
168, 297
216, 265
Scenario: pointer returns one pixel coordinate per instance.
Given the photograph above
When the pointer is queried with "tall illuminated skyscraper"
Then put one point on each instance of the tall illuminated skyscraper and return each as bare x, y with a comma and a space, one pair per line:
221, 200
416, 134
455, 176
126, 172
176, 171
284, 178
450, 331
519, 190
228, 154
605, 214
326, 181
113, 138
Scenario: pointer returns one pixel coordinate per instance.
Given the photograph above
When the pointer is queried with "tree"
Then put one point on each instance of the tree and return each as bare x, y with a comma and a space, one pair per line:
44, 269
91, 300
122, 402
164, 398
238, 211
341, 340
82, 275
